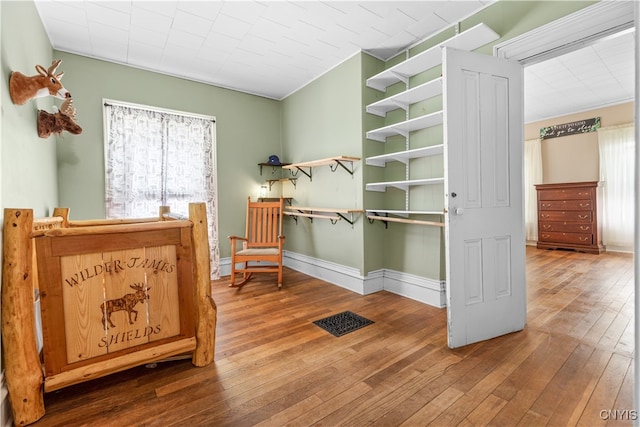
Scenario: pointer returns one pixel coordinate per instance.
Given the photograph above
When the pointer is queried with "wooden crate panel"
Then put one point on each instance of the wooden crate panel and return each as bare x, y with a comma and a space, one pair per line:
124, 309
82, 295
164, 307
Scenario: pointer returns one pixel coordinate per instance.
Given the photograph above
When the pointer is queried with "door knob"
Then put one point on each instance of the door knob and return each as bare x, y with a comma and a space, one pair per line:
458, 211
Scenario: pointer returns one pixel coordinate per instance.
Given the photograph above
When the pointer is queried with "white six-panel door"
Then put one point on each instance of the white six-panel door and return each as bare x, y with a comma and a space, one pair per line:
484, 220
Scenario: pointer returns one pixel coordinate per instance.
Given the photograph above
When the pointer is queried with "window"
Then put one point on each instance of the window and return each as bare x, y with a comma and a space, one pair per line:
159, 158
617, 154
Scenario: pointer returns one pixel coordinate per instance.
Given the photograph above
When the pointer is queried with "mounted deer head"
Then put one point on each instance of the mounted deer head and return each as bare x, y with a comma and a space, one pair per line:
47, 83
65, 119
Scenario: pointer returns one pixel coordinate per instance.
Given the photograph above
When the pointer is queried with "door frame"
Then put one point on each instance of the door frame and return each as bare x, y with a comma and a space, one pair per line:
572, 32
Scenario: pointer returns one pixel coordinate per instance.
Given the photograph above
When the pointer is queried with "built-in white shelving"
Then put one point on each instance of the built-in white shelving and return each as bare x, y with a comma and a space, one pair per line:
403, 185
471, 39
405, 99
405, 156
406, 127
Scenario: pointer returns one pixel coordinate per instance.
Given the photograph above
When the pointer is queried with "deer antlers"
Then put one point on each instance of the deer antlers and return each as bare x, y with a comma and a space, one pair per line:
65, 119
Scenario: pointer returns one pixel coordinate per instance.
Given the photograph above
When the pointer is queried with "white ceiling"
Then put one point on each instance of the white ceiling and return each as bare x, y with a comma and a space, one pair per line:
595, 76
273, 48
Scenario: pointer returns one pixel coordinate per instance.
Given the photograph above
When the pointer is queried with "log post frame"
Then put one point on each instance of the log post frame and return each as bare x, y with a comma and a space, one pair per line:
206, 310
23, 371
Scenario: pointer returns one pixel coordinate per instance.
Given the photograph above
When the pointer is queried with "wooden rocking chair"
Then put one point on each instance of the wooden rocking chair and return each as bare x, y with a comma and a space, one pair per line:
263, 242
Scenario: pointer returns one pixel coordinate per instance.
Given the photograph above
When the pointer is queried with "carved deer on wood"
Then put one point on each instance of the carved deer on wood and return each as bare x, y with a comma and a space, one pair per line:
126, 303
65, 119
23, 88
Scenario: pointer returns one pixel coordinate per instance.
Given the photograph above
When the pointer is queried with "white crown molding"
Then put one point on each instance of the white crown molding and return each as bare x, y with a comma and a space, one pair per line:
569, 33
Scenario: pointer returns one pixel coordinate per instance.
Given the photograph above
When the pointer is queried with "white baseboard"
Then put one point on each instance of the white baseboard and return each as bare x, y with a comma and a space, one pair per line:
340, 275
425, 290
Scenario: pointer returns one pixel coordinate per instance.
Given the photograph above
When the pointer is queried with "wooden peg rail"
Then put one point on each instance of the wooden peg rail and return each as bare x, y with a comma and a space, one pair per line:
332, 214
375, 216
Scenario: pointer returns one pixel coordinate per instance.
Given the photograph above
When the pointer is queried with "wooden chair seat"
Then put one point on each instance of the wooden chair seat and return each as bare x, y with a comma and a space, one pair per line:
262, 245
256, 252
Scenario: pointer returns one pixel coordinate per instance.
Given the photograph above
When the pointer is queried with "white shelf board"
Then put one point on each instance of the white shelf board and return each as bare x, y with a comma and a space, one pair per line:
405, 99
471, 39
402, 185
322, 162
406, 127
404, 156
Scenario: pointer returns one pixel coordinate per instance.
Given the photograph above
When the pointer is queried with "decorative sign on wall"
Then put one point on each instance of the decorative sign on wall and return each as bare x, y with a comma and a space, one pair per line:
581, 126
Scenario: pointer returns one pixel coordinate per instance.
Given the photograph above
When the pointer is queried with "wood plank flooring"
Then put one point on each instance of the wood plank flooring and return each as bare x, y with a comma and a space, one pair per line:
274, 367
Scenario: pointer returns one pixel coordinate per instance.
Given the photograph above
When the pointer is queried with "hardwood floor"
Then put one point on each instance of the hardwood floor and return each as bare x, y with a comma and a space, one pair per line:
274, 367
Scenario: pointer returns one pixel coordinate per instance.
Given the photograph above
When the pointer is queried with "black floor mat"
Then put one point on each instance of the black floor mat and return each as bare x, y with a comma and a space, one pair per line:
343, 323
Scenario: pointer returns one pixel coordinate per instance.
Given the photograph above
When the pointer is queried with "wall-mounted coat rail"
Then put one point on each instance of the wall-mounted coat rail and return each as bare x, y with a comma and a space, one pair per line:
332, 214
383, 215
332, 162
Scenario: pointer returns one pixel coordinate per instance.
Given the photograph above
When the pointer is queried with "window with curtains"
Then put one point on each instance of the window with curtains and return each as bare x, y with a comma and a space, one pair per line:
617, 153
156, 158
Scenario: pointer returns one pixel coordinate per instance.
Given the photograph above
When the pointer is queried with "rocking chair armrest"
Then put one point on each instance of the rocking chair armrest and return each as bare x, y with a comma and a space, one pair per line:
238, 238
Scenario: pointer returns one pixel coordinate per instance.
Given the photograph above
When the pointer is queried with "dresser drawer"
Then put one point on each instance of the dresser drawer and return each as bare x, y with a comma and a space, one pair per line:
573, 216
561, 205
565, 194
571, 227
573, 238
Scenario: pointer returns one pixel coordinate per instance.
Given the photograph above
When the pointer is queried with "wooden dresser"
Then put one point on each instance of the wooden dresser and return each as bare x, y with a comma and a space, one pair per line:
568, 216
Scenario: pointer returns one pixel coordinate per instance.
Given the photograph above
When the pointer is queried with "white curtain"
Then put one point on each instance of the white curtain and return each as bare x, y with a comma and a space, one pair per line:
532, 177
157, 158
616, 145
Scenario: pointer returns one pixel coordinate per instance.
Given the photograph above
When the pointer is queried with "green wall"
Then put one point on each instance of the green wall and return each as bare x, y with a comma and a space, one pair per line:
28, 162
321, 120
248, 131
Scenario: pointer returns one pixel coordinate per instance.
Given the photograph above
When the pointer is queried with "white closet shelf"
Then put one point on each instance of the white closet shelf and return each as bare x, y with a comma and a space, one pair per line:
403, 185
471, 39
406, 127
404, 156
403, 100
